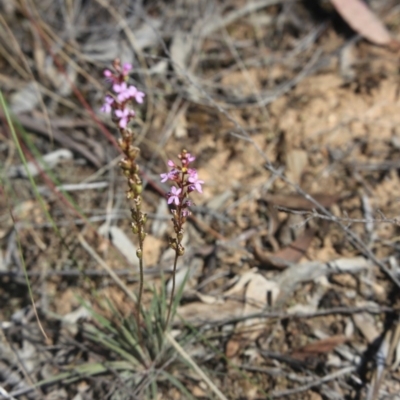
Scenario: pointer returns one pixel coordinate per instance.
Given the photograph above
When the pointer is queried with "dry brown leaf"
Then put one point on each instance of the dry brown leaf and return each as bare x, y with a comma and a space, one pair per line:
296, 161
260, 293
366, 324
288, 255
298, 202
200, 313
239, 286
363, 20
318, 347
251, 294
232, 347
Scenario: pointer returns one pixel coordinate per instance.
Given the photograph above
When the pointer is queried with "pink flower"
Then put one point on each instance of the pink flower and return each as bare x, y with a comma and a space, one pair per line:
110, 77
195, 182
185, 213
124, 116
106, 107
139, 97
164, 177
126, 93
186, 181
186, 159
169, 175
122, 90
173, 196
188, 203
190, 158
126, 68
133, 93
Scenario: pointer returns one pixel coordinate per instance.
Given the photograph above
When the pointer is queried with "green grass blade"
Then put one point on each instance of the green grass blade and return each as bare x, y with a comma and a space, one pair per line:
178, 385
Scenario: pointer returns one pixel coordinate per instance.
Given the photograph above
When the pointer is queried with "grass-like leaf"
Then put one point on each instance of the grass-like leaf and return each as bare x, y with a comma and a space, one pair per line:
178, 385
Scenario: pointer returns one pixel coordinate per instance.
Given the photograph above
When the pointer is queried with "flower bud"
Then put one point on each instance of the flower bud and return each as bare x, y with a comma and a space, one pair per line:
133, 152
129, 194
122, 143
180, 250
125, 164
117, 64
135, 185
138, 189
172, 243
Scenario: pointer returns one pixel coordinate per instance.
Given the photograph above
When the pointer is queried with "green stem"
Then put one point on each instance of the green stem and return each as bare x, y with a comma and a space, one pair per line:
139, 301
172, 290
141, 281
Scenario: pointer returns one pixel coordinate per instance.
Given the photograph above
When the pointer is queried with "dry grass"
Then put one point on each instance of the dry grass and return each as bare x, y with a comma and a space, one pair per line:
293, 279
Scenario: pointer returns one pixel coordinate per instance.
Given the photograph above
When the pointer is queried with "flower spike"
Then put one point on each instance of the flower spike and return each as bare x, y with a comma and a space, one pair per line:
186, 181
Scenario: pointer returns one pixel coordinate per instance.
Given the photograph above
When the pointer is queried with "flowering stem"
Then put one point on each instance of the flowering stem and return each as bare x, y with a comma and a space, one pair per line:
117, 105
187, 181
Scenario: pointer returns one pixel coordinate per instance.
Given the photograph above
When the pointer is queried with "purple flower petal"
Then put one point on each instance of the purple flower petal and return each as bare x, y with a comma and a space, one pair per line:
176, 191
164, 177
119, 113
190, 158
119, 88
105, 108
195, 182
126, 68
139, 97
123, 122
173, 195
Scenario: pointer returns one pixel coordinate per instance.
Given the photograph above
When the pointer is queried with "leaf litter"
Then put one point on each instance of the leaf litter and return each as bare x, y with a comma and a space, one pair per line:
296, 127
